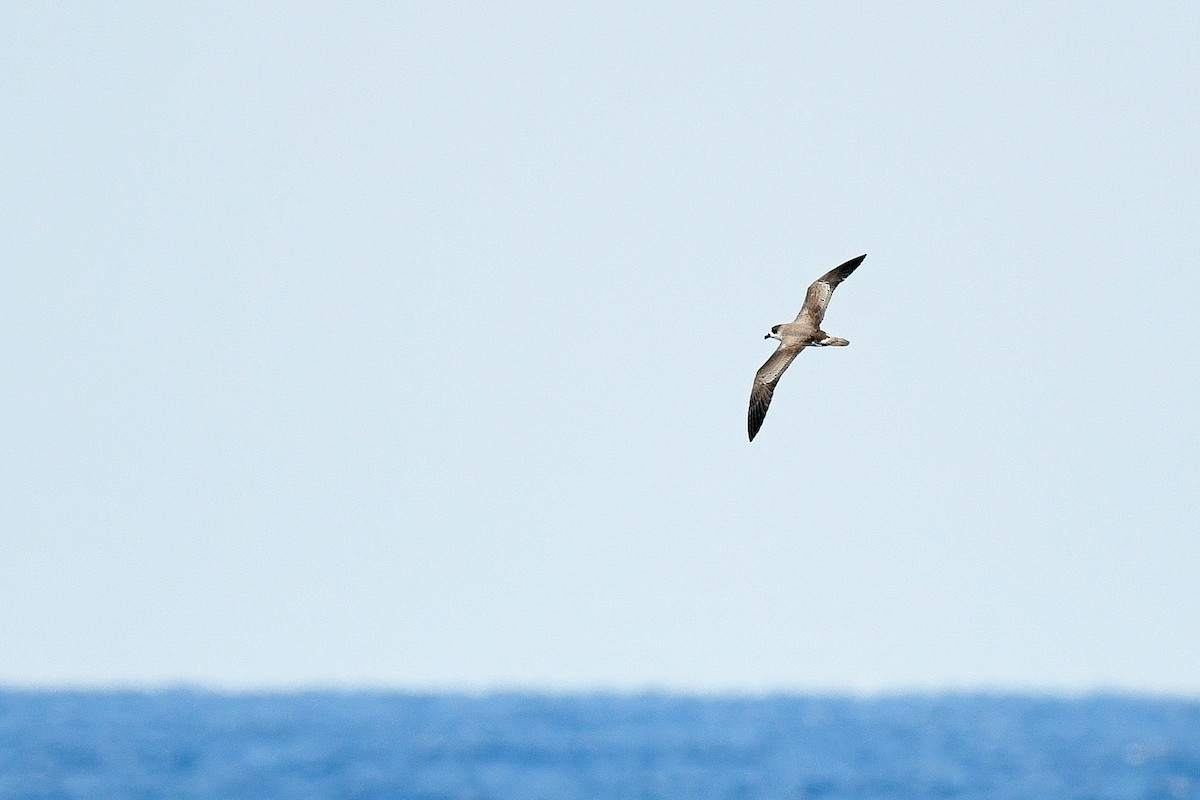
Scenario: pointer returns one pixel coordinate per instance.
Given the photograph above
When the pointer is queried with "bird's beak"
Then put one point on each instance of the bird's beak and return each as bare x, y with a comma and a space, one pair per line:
768, 336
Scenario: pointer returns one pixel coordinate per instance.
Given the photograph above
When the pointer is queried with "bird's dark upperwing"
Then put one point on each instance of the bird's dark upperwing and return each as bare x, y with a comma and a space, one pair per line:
764, 385
817, 298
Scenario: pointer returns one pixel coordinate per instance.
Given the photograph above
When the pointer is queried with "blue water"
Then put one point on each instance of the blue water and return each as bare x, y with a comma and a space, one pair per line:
184, 744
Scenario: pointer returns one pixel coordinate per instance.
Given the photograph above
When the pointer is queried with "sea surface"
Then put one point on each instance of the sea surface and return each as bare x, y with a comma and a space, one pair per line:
196, 744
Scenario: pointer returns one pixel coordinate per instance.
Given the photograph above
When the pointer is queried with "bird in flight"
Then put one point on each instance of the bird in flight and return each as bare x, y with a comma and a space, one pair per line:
793, 337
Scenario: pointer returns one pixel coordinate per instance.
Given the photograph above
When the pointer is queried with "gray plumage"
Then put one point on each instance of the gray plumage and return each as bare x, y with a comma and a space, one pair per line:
793, 337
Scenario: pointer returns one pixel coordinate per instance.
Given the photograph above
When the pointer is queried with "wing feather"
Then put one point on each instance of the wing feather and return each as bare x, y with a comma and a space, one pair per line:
816, 300
764, 385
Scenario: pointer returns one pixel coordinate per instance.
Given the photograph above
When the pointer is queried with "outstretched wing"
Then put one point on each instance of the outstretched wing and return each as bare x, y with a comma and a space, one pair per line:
764, 385
817, 298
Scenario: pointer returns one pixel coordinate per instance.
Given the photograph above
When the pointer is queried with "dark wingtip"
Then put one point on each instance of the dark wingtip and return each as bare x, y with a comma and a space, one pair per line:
754, 424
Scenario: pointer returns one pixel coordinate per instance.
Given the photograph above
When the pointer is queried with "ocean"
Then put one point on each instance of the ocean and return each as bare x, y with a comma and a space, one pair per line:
187, 745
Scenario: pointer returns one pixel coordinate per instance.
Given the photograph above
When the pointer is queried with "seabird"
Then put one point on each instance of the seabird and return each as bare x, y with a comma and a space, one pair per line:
793, 337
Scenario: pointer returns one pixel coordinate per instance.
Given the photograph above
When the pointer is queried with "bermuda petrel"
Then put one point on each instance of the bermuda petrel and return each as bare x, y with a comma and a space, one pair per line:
794, 337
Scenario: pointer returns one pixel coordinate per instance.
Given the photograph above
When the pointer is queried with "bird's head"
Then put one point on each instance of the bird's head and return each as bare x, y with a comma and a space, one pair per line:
774, 334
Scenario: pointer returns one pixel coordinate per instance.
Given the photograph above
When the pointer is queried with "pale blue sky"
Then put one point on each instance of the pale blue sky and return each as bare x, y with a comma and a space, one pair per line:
410, 345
